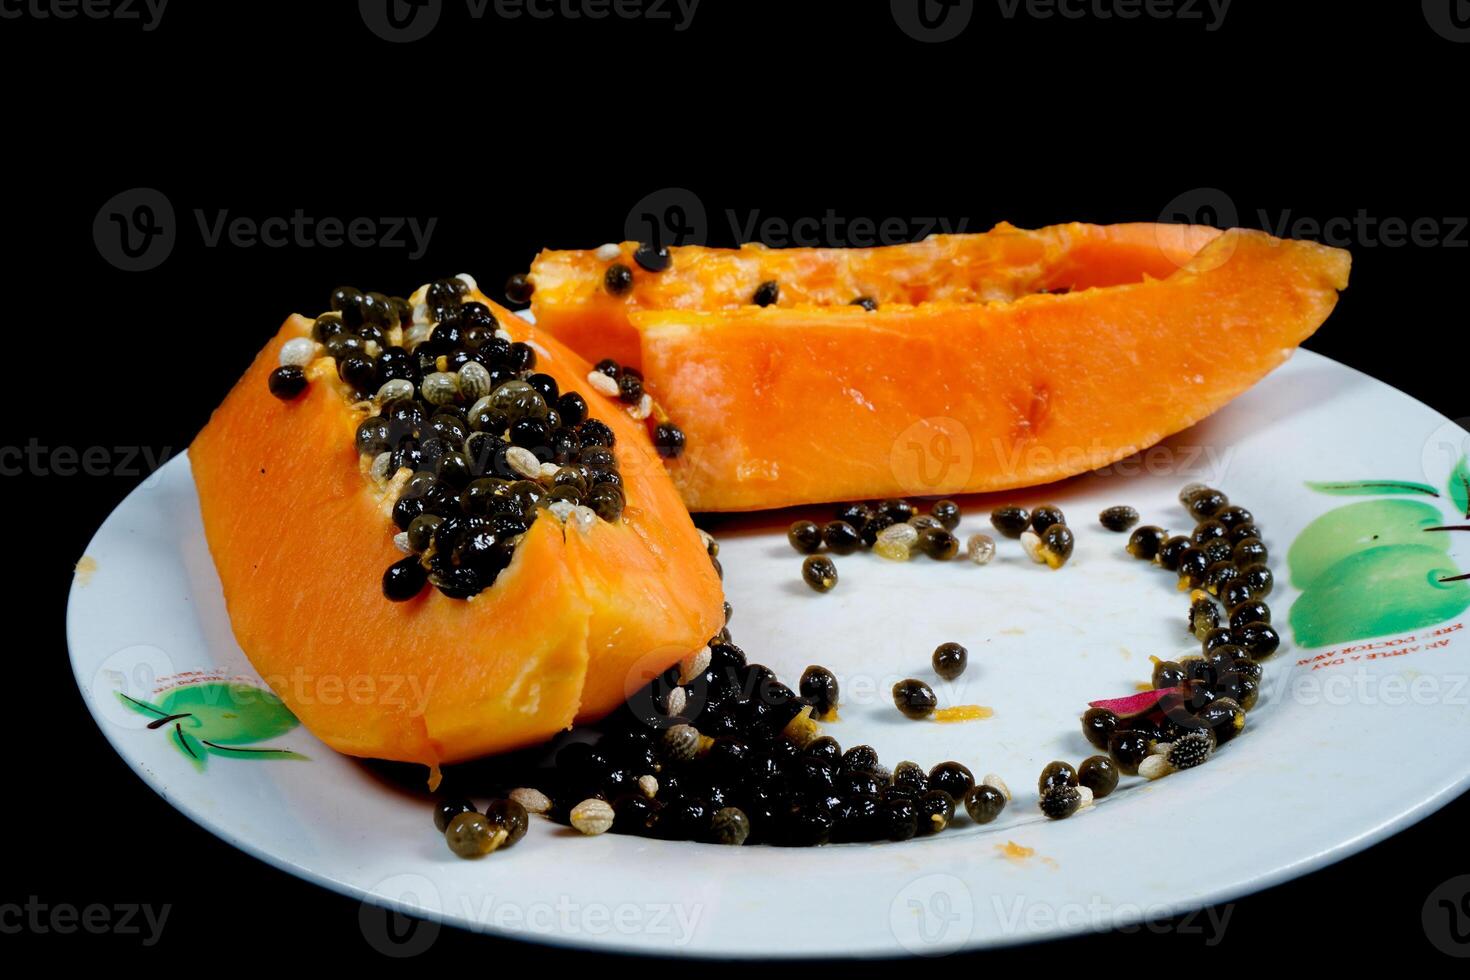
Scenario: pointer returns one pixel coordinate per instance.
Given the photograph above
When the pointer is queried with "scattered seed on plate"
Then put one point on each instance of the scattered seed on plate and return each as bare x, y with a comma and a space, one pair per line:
914, 698
1045, 516
1056, 774
1099, 775
950, 660
1146, 541
992, 779
985, 802
806, 537
1010, 521
980, 548
1191, 749
938, 543
892, 550
1061, 802
1119, 518
841, 537
1154, 767
532, 800
903, 533
947, 512
471, 835
592, 816
819, 685
819, 572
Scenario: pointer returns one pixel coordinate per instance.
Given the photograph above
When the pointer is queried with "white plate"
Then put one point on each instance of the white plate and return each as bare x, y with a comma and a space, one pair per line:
1351, 742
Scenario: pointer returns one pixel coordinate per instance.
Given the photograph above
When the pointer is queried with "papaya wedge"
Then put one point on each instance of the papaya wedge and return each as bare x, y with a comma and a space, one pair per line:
300, 536
1010, 359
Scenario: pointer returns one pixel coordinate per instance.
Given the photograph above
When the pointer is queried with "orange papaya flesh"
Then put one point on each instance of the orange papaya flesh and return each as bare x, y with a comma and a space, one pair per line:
798, 405
571, 299
300, 536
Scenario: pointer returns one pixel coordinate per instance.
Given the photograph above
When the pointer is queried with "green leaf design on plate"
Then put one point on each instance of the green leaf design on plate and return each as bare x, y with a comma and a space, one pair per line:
229, 752
142, 707
190, 746
1378, 592
1356, 527
229, 713
1459, 487
1372, 488
219, 718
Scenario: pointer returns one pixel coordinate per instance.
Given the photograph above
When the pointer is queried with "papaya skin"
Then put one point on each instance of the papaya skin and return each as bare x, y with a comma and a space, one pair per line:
800, 405
1005, 263
300, 538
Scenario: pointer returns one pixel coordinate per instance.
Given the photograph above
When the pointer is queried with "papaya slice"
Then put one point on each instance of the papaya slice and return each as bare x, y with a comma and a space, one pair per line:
997, 361
572, 298
301, 530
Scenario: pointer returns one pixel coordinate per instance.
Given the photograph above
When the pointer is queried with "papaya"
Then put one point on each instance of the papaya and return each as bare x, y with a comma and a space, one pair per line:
959, 364
578, 607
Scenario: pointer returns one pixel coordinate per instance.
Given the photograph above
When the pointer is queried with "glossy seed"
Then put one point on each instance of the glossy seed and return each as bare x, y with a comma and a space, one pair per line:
1010, 521
984, 803
819, 572
618, 279
1098, 774
1098, 726
404, 579
806, 537
950, 660
651, 257
766, 293
1045, 516
471, 835
519, 289
947, 512
914, 699
1119, 518
841, 537
446, 810
1056, 774
1145, 542
819, 685
286, 382
938, 543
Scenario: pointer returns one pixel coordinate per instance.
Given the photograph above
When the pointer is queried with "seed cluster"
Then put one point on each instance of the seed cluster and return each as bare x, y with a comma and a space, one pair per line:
718, 750
893, 529
1222, 564
470, 442
472, 834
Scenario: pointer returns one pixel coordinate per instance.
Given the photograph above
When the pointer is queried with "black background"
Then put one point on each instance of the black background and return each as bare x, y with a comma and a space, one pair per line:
516, 134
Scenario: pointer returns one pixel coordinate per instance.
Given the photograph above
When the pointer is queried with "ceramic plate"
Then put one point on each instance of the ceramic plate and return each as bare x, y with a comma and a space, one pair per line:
1351, 742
